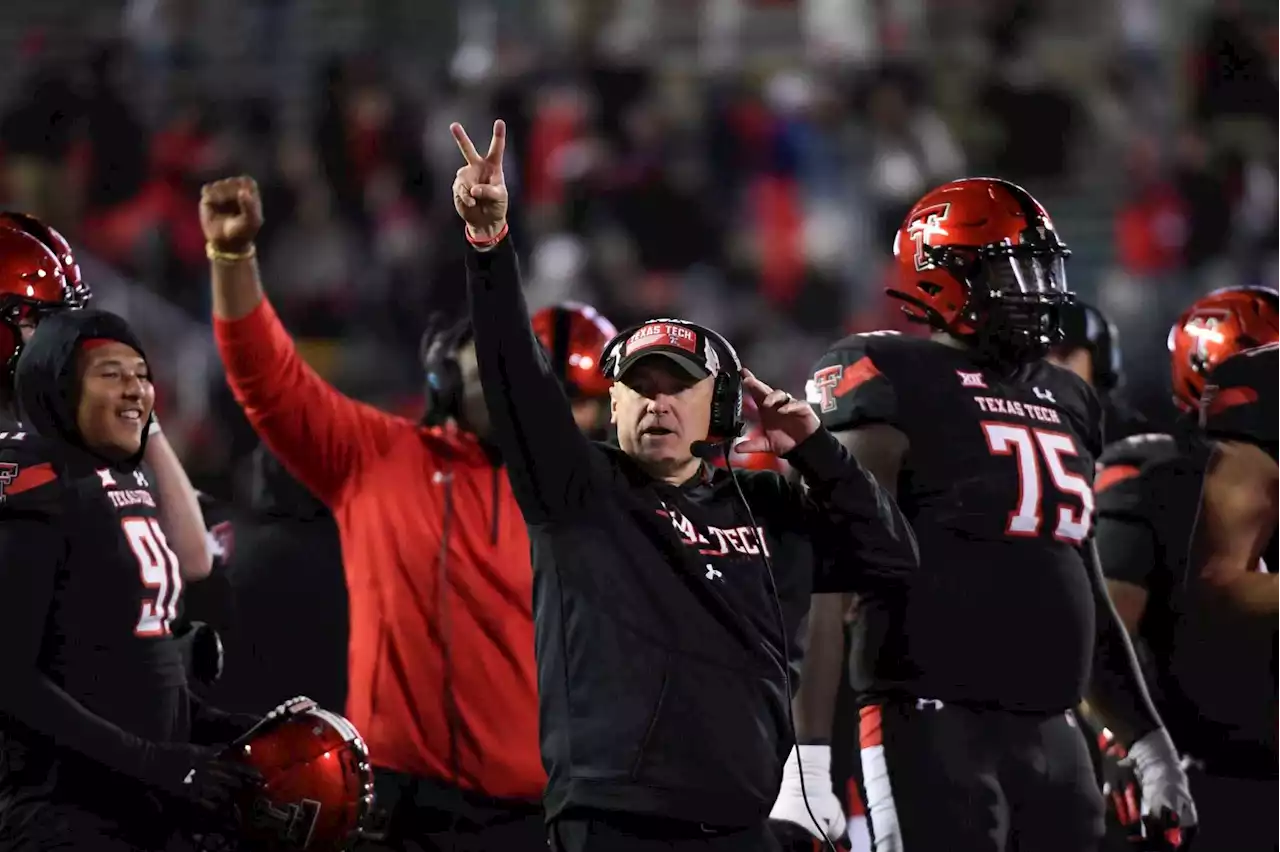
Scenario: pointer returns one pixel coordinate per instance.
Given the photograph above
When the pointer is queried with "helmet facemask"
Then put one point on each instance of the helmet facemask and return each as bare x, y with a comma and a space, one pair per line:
1016, 295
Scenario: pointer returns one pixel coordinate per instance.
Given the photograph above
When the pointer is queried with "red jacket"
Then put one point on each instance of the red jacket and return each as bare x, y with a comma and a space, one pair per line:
441, 668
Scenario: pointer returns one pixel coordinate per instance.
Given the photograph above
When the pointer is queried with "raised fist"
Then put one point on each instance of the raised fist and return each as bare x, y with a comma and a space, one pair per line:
479, 188
231, 213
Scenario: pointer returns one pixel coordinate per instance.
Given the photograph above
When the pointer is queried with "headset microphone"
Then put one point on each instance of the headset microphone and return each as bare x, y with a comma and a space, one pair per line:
705, 450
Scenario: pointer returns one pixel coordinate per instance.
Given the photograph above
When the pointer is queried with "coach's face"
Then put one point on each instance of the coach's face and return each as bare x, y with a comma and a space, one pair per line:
660, 410
116, 398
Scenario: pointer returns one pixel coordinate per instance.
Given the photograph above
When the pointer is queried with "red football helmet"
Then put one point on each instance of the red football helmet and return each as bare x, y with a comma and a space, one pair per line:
1213, 329
574, 335
31, 283
317, 790
978, 258
77, 291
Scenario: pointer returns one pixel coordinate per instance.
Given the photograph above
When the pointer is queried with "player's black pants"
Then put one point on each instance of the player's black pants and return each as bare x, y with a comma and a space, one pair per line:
30, 825
941, 778
609, 831
424, 815
1235, 813
48, 805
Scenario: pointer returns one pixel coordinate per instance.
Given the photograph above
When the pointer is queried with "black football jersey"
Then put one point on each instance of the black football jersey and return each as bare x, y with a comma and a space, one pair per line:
1239, 400
997, 484
107, 639
1220, 707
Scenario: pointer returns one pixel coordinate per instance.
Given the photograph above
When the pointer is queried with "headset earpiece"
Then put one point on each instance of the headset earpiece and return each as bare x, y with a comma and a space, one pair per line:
439, 350
727, 421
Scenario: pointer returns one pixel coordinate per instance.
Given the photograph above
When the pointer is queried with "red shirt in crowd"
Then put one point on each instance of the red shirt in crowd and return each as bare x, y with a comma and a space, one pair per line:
441, 667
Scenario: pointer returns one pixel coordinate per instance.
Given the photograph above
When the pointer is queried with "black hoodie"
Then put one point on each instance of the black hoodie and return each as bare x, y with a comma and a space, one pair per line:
90, 678
660, 659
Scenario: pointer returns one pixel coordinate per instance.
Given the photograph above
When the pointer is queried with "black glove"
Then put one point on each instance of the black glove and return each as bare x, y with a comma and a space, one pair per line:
290, 707
201, 649
1120, 786
197, 774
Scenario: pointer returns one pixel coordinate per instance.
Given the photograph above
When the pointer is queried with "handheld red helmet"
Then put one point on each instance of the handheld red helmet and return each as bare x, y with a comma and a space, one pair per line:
31, 283
78, 292
317, 790
1213, 329
574, 336
979, 259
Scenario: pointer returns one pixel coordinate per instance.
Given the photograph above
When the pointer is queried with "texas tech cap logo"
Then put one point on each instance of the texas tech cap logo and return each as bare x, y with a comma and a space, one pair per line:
662, 334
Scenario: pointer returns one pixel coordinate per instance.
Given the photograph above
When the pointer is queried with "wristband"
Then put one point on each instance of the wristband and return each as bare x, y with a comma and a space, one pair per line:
486, 244
216, 254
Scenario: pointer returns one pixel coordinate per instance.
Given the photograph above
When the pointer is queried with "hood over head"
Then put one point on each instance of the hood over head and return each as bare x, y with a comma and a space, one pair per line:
45, 378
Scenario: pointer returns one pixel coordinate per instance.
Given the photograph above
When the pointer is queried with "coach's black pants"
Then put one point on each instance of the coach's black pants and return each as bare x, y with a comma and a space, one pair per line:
941, 778
1236, 814
611, 831
424, 815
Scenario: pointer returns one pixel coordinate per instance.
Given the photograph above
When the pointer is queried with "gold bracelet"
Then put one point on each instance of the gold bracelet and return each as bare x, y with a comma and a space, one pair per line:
230, 256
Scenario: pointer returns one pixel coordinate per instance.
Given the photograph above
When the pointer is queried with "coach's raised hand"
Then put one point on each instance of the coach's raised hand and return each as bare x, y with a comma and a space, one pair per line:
480, 189
230, 214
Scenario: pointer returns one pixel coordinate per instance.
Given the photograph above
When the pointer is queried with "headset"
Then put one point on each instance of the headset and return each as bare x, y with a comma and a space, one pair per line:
438, 352
727, 423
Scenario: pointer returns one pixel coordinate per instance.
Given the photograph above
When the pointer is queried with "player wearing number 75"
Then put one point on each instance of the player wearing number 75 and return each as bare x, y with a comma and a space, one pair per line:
95, 715
967, 682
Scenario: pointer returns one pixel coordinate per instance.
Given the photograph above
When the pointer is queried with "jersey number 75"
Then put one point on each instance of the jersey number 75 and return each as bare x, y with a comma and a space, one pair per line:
1037, 450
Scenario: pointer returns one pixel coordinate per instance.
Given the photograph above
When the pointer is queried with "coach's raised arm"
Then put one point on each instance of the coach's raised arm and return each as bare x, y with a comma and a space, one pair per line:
548, 457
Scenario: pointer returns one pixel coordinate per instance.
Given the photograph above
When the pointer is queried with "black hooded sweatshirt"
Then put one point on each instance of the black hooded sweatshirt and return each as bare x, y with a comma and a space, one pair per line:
92, 684
660, 658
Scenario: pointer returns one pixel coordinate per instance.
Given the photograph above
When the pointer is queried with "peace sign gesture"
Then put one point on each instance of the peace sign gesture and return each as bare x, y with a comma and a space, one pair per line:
479, 189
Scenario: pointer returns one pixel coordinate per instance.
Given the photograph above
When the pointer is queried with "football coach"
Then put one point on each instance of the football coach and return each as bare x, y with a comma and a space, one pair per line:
666, 592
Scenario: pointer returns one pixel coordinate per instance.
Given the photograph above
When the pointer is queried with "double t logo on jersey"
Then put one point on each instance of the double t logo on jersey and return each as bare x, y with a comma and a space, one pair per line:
829, 384
8, 473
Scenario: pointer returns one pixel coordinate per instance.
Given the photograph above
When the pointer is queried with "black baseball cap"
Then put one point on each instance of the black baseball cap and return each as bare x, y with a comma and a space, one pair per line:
687, 344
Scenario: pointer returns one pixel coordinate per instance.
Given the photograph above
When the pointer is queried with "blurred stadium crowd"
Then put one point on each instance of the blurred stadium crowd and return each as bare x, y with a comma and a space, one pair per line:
742, 163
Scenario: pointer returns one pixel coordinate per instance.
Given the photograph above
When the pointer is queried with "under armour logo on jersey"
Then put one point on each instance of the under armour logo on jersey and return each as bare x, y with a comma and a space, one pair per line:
141, 479
108, 481
971, 380
1046, 395
713, 574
